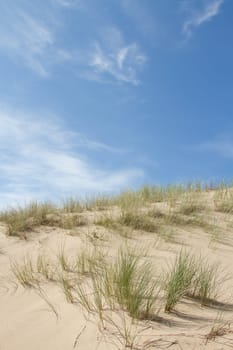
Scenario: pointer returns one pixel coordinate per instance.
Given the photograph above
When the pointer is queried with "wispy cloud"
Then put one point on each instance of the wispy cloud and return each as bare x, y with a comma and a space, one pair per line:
29, 38
112, 60
26, 39
210, 9
48, 161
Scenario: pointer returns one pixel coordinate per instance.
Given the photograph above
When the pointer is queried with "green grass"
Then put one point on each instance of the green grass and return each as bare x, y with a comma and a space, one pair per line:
179, 279
134, 287
193, 278
205, 282
126, 283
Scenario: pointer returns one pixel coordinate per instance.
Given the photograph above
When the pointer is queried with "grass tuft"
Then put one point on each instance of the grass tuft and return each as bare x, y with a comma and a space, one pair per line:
223, 200
179, 279
124, 284
25, 273
20, 220
134, 287
137, 221
205, 282
190, 203
192, 278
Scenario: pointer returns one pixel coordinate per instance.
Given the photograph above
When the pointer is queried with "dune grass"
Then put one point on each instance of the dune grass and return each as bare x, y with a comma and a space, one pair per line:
25, 273
179, 279
190, 277
72, 205
205, 282
21, 219
88, 260
125, 284
67, 287
108, 221
223, 200
191, 203
134, 285
137, 221
185, 199
45, 267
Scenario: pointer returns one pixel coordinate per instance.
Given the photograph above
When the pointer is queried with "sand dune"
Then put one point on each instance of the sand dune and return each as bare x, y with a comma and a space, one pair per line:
39, 315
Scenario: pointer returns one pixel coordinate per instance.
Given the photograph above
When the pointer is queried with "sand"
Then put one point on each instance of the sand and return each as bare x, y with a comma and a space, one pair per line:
41, 318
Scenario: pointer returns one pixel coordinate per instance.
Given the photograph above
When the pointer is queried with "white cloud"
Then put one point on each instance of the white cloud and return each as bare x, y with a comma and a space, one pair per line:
29, 37
111, 59
211, 9
26, 38
40, 159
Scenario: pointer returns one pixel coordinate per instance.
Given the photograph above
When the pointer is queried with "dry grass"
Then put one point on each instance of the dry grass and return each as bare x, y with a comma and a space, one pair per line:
67, 287
72, 205
219, 329
45, 267
25, 273
191, 203
223, 200
22, 219
183, 201
137, 221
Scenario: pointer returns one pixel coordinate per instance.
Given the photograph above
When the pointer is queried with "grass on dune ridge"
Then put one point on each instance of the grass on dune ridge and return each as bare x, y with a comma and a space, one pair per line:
184, 205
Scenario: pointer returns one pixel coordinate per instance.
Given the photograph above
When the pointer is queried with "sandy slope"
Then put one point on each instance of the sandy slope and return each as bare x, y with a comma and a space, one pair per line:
29, 322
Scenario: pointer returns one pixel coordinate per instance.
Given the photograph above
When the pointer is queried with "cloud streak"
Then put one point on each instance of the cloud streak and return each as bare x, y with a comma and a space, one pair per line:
45, 161
30, 38
26, 39
210, 10
112, 60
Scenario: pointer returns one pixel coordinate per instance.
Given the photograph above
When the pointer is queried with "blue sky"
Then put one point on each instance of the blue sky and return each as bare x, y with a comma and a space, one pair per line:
103, 95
